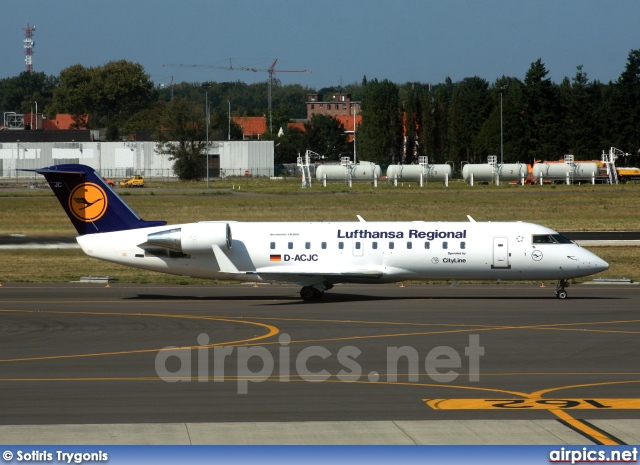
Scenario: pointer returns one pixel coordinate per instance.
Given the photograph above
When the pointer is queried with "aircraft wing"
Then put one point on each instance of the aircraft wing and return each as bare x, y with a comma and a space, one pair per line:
304, 276
309, 277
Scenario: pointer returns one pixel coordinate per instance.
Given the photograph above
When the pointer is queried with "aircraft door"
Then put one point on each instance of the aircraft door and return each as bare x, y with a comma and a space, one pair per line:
358, 247
501, 253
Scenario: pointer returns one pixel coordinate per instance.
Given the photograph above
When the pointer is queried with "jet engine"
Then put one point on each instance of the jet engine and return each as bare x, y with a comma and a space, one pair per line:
193, 238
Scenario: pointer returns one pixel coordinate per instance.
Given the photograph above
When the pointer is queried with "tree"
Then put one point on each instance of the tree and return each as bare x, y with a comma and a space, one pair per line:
579, 101
147, 119
21, 93
288, 146
380, 133
435, 123
182, 137
413, 114
625, 106
109, 94
325, 135
469, 109
540, 114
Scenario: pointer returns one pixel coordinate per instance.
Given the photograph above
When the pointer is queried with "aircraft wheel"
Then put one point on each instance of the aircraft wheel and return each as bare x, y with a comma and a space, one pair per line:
561, 294
309, 293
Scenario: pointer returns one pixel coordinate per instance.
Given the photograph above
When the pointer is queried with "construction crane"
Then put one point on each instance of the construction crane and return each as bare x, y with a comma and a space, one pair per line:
271, 70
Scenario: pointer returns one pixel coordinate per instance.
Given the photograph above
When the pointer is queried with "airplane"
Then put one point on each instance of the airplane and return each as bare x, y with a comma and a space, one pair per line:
314, 255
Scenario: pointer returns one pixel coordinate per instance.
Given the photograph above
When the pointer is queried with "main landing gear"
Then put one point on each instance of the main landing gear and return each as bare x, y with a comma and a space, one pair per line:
309, 293
560, 292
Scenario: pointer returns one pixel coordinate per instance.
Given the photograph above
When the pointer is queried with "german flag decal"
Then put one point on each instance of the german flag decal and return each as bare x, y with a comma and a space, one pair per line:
275, 258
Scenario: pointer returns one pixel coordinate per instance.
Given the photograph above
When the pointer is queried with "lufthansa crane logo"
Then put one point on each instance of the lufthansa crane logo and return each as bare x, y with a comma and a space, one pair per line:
88, 202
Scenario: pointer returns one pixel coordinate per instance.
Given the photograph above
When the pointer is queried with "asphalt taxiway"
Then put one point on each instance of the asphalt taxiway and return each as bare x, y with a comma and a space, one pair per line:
378, 364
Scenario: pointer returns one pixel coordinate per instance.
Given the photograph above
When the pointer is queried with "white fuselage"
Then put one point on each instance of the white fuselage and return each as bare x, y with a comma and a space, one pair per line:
366, 252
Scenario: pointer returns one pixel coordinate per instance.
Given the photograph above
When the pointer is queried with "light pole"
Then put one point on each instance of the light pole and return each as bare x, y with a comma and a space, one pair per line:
229, 121
354, 133
502, 88
206, 86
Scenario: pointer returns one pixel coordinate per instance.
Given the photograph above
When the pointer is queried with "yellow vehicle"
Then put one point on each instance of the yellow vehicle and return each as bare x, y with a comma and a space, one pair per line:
133, 181
628, 174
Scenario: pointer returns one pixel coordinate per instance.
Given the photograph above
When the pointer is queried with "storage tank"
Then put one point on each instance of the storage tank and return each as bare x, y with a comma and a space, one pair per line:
411, 173
365, 171
487, 173
481, 172
513, 172
559, 171
362, 171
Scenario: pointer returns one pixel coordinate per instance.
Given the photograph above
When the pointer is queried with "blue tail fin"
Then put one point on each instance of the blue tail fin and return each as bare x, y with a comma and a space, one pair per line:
92, 206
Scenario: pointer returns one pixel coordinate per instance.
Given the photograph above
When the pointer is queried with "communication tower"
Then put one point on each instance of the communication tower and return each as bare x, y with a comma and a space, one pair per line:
28, 46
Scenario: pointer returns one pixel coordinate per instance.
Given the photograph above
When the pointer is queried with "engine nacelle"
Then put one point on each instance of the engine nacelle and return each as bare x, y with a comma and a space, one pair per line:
194, 237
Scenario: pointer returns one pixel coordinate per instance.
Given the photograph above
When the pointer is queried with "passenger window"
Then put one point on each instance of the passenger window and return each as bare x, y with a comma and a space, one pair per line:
290, 245
391, 245
324, 245
463, 245
273, 245
374, 245
445, 245
357, 245
427, 245
341, 245
409, 245
307, 245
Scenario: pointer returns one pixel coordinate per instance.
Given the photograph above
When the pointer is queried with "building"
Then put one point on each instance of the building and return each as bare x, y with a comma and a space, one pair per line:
31, 141
252, 126
338, 104
37, 121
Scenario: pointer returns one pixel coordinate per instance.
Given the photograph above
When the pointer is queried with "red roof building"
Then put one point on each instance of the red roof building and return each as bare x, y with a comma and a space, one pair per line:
252, 126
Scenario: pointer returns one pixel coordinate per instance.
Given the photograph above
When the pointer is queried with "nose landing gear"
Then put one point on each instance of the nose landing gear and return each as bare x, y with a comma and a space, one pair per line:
560, 292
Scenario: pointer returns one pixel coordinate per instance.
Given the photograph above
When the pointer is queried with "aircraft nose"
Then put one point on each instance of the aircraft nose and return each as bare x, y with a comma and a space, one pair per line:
594, 262
601, 265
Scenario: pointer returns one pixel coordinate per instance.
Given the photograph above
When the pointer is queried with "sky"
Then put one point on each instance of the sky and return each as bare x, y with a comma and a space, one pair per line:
340, 42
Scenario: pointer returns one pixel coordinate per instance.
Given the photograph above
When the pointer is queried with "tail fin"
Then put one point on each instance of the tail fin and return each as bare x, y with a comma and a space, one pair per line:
92, 206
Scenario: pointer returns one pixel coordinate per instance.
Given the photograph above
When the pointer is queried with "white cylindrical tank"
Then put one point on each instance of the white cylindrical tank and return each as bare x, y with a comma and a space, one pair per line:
481, 172
512, 172
411, 173
332, 172
363, 171
439, 173
487, 173
559, 171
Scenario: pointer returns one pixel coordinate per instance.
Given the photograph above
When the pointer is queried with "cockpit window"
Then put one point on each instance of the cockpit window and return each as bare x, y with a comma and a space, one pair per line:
550, 239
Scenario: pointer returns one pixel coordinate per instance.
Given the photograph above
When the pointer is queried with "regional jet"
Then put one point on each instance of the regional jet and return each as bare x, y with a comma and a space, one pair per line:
315, 256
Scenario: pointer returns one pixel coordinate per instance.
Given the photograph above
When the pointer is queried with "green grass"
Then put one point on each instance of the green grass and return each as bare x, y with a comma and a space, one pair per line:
564, 208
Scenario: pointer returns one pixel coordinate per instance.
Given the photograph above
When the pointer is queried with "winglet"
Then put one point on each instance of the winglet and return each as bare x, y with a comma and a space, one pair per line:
471, 219
361, 219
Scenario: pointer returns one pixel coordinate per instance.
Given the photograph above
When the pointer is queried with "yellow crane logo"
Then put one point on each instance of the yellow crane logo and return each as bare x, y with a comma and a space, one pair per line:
88, 202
